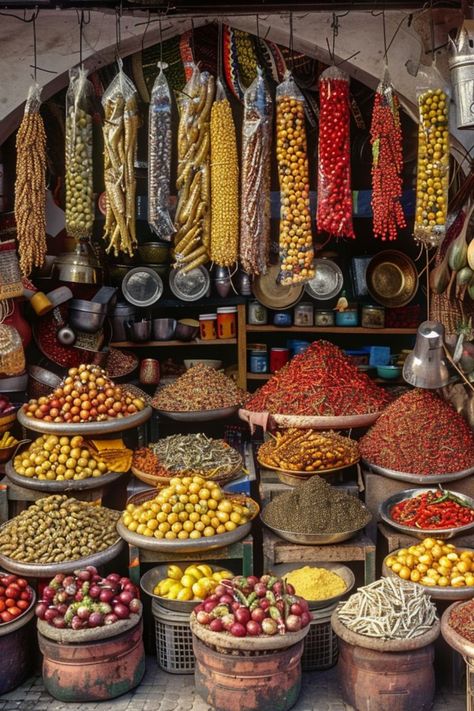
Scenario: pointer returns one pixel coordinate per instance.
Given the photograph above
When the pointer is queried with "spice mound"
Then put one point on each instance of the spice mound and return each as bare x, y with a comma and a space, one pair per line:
433, 509
315, 583
322, 381
56, 529
197, 454
200, 388
389, 608
316, 507
434, 563
419, 433
461, 620
308, 451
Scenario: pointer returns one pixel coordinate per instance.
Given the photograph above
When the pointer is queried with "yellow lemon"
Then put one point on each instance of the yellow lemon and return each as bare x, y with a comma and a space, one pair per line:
194, 570
188, 580
185, 594
205, 569
175, 572
199, 590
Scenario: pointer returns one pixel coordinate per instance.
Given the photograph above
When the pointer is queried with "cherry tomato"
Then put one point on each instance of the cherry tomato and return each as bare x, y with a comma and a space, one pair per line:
13, 592
21, 582
10, 602
5, 616
2, 605
22, 604
25, 595
14, 611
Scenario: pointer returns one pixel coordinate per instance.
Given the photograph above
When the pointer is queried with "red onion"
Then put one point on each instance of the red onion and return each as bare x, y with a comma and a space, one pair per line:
203, 617
92, 569
235, 605
221, 590
50, 614
62, 609
228, 621
252, 580
121, 611
253, 628
278, 587
83, 612
79, 596
135, 605
296, 609
260, 589
290, 589
40, 610
209, 605
306, 618
293, 623
110, 619
258, 614
94, 591
106, 595
77, 623
96, 619
48, 593
83, 574
126, 597
242, 615
59, 623
216, 625
264, 604
113, 577
238, 630
226, 599
199, 608
269, 626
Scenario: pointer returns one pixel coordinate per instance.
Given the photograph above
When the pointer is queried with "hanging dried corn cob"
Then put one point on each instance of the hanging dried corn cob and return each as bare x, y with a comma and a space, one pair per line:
159, 157
30, 185
224, 183
79, 171
256, 163
432, 181
192, 219
296, 242
121, 120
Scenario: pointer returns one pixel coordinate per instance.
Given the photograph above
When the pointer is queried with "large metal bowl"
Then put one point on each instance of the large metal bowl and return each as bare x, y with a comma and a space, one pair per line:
199, 415
442, 533
49, 570
418, 478
435, 591
342, 570
60, 487
312, 539
86, 428
87, 316
26, 616
453, 638
153, 576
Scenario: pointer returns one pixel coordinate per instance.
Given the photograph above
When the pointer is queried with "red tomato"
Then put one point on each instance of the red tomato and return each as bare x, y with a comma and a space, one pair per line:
10, 602
2, 605
5, 616
14, 611
22, 604
8, 579
13, 592
2, 590
21, 582
25, 595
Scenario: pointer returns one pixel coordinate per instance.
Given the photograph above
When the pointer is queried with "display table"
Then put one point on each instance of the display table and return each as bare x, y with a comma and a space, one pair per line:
241, 550
360, 548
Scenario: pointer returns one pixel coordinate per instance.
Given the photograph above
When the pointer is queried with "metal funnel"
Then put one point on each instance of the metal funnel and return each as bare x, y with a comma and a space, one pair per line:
425, 366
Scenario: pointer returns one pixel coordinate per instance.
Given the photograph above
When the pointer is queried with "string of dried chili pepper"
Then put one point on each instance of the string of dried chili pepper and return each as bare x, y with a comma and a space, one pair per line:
387, 163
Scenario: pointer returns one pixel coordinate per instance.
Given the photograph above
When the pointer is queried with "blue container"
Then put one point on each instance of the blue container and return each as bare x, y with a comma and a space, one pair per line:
379, 355
282, 318
347, 318
258, 362
295, 346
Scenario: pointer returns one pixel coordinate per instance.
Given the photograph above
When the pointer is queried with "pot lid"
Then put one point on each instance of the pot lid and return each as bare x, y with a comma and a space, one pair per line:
273, 295
327, 281
189, 286
142, 286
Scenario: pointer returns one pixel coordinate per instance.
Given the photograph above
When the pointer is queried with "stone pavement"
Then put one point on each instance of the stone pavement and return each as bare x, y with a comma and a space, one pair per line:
160, 691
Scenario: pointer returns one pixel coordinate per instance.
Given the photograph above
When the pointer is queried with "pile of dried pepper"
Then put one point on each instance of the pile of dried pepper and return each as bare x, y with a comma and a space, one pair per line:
461, 620
433, 510
420, 433
320, 381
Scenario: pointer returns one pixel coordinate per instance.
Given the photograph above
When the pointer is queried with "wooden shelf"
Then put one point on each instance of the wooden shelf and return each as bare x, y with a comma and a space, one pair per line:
165, 344
259, 376
335, 329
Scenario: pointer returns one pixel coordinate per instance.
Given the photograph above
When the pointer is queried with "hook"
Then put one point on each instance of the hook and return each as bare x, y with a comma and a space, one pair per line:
35, 62
118, 30
147, 24
292, 55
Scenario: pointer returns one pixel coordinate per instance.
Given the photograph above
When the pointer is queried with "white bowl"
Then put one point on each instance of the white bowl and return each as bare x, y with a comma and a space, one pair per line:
191, 362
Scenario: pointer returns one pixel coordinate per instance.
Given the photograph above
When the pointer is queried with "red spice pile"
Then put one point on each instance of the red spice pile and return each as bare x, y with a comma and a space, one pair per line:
461, 620
320, 381
420, 433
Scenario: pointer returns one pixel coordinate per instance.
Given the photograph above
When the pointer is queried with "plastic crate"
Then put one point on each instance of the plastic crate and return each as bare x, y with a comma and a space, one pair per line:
174, 640
320, 645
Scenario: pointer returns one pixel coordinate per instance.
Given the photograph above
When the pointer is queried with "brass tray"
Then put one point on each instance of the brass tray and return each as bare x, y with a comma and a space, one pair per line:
117, 424
392, 278
268, 292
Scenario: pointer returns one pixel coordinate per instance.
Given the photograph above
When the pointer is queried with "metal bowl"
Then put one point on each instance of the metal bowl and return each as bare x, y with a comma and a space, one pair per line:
142, 287
190, 286
313, 539
44, 377
154, 252
392, 278
117, 424
435, 591
273, 295
453, 638
327, 281
186, 330
26, 615
163, 329
14, 384
418, 478
153, 576
140, 330
60, 487
86, 316
442, 533
200, 415
342, 570
49, 570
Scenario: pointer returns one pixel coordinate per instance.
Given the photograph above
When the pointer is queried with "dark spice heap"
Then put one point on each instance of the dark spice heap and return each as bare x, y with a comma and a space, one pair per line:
316, 507
461, 620
420, 433
320, 381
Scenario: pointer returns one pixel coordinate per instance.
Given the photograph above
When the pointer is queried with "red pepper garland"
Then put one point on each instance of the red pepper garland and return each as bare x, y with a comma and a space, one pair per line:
334, 213
387, 163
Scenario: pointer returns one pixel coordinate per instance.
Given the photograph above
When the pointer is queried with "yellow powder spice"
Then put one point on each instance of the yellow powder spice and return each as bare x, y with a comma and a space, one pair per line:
315, 583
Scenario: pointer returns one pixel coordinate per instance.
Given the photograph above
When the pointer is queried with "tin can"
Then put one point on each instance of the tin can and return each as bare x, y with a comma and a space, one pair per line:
323, 317
373, 316
303, 315
257, 314
258, 362
149, 371
278, 358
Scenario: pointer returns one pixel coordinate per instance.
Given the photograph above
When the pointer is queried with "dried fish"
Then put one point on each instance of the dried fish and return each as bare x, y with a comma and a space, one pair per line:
197, 454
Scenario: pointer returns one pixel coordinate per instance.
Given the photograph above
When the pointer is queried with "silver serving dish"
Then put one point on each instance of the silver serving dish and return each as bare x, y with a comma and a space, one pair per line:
418, 478
199, 415
60, 487
220, 540
313, 539
443, 533
85, 428
342, 570
435, 591
142, 287
153, 576
327, 281
49, 570
190, 286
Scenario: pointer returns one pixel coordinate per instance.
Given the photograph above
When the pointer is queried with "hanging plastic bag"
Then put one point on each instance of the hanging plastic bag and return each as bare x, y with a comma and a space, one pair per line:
432, 180
30, 186
296, 241
334, 213
79, 170
11, 285
121, 121
255, 183
192, 217
159, 157
12, 354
